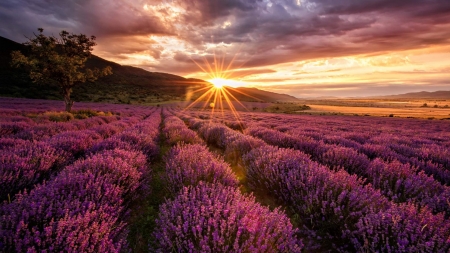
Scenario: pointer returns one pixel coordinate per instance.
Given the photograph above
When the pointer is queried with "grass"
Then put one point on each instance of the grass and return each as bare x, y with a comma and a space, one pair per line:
87, 113
64, 116
286, 108
59, 116
144, 210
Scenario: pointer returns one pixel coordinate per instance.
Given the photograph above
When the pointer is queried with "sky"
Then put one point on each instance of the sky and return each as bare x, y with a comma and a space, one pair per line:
305, 48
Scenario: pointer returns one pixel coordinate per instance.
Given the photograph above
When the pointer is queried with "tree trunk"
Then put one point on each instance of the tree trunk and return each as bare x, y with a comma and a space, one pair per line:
67, 100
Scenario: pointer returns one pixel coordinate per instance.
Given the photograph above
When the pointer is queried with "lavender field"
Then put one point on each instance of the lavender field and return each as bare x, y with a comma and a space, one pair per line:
121, 178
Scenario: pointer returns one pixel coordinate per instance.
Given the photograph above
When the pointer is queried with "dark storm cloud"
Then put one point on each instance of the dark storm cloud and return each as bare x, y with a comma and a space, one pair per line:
101, 17
281, 31
415, 7
261, 32
206, 12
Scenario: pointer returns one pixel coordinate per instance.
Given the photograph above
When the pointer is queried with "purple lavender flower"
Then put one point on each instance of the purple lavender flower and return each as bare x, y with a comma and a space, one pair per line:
402, 229
23, 163
47, 217
189, 164
330, 202
176, 131
215, 218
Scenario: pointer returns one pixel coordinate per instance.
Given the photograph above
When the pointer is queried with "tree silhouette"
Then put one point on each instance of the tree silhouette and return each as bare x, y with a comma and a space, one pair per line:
59, 61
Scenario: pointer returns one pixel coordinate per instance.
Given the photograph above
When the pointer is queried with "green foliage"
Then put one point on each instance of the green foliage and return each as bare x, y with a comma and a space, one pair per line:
67, 116
58, 116
59, 61
286, 108
87, 112
425, 105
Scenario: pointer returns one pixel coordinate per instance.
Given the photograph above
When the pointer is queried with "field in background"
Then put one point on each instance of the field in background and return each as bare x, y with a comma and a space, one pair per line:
405, 108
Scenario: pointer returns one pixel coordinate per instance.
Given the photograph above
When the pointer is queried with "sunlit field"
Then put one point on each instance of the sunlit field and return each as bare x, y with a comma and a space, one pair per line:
117, 178
405, 108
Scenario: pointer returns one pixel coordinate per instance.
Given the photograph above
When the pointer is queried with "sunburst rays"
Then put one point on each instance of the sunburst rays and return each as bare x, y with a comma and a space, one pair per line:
218, 95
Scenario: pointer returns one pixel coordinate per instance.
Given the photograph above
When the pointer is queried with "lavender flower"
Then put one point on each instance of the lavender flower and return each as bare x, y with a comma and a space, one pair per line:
43, 219
402, 229
331, 202
23, 163
189, 164
215, 218
176, 131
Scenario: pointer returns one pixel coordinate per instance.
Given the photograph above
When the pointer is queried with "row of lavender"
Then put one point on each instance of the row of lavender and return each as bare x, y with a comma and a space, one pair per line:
83, 207
400, 178
411, 132
331, 204
400, 182
423, 144
24, 121
27, 161
207, 212
19, 106
22, 127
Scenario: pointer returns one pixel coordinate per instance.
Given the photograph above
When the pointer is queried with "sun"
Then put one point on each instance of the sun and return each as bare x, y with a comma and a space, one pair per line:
221, 95
218, 82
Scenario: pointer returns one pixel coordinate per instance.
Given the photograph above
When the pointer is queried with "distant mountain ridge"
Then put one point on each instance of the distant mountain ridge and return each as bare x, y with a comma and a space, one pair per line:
127, 84
422, 94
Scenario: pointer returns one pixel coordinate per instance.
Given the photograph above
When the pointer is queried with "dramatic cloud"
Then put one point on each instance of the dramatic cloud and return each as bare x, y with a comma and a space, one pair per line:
273, 42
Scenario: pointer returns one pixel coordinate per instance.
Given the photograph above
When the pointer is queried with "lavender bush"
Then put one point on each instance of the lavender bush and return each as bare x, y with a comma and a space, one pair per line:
41, 220
176, 131
189, 164
331, 203
215, 218
402, 229
73, 144
23, 163
114, 166
402, 183
350, 160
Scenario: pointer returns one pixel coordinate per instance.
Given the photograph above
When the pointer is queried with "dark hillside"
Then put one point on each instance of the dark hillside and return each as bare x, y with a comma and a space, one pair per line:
127, 84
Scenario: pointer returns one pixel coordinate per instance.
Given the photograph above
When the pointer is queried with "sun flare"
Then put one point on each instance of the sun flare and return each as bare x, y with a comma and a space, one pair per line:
218, 82
222, 93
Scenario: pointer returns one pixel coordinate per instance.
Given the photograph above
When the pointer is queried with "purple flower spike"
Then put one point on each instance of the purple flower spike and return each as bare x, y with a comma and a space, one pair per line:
216, 218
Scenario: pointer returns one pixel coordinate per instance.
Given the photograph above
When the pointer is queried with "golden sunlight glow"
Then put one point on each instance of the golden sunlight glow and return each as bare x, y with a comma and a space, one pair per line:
220, 94
219, 82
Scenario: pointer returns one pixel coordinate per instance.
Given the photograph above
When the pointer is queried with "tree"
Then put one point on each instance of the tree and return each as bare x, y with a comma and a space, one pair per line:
59, 61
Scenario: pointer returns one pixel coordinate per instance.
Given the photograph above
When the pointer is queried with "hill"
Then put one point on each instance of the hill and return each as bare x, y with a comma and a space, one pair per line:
418, 95
255, 95
127, 84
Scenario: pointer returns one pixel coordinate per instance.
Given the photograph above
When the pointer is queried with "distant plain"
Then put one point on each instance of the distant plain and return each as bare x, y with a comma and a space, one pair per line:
412, 108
